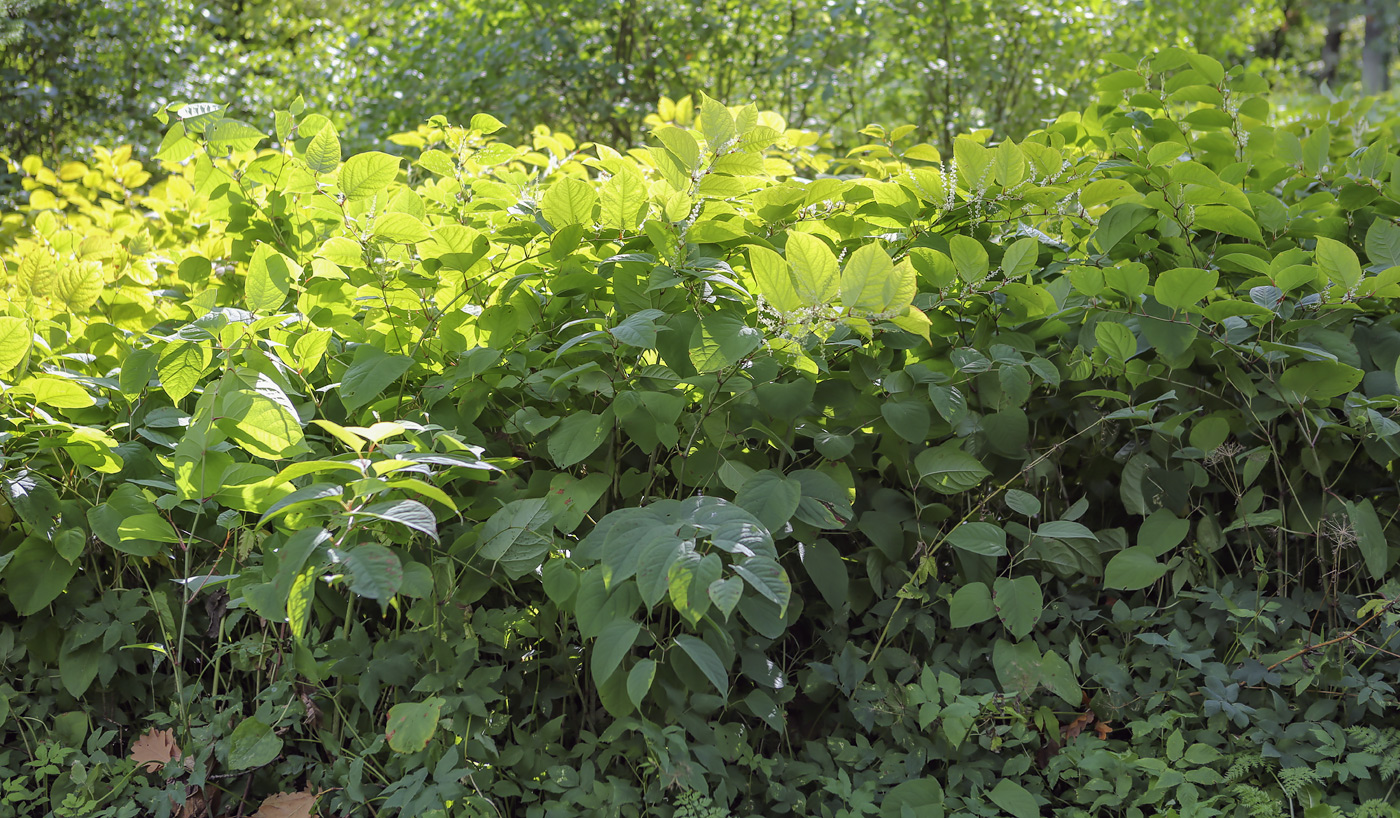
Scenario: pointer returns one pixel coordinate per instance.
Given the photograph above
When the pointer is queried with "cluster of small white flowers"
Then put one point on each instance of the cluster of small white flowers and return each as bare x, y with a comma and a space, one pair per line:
818, 319
1054, 177
950, 189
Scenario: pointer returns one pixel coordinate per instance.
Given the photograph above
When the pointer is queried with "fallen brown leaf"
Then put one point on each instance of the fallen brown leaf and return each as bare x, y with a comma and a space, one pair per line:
1103, 728
287, 805
154, 749
1074, 728
195, 806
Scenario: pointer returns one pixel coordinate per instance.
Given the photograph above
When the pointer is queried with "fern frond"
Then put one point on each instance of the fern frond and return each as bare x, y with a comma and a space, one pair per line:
1258, 803
1243, 765
1294, 779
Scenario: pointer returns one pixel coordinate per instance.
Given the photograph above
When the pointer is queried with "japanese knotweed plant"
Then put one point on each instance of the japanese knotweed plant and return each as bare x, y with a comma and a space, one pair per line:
720, 473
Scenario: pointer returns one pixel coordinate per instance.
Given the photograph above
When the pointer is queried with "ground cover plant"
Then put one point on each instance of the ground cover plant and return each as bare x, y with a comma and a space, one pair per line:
719, 476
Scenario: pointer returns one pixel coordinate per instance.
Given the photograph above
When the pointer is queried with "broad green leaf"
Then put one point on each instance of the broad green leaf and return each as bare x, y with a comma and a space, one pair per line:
1227, 219
571, 498
828, 572
917, 797
576, 437
366, 174
36, 575
1133, 569
971, 604
147, 527
78, 285
624, 201
720, 341
180, 367
15, 340
252, 744
658, 550
1008, 164
1208, 433
716, 123
1104, 190
974, 162
485, 123
1018, 666
369, 373
771, 497
518, 536
725, 594
639, 680
77, 668
569, 201
1382, 246
613, 643
680, 144
411, 513
1116, 340
1058, 677
1020, 258
299, 603
1339, 262
948, 469
31, 496
707, 660
773, 279
1023, 502
766, 576
869, 282
560, 581
55, 392
638, 329
375, 571
815, 274
687, 580
985, 539
1183, 287
1318, 381
1162, 531
1014, 798
401, 228
1019, 604
323, 152
232, 134
262, 425
411, 724
1371, 539
824, 504
969, 258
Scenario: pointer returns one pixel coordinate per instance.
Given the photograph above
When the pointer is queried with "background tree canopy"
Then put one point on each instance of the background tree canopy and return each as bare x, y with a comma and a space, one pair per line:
374, 443
74, 72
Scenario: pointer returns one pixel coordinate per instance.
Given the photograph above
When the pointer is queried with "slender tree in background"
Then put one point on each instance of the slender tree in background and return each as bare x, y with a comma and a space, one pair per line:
1379, 49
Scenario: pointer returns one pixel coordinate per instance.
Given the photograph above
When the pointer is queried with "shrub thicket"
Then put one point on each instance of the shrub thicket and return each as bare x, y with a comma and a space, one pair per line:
722, 476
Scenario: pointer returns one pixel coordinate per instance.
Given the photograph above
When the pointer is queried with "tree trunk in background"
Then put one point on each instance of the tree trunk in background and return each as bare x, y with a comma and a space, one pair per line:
1332, 43
1376, 53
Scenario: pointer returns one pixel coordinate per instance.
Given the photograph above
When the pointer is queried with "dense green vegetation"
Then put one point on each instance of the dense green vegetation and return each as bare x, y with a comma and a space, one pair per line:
726, 475
75, 72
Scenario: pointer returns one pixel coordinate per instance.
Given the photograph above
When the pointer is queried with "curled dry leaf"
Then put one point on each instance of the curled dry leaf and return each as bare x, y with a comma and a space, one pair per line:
287, 805
196, 804
1074, 728
154, 749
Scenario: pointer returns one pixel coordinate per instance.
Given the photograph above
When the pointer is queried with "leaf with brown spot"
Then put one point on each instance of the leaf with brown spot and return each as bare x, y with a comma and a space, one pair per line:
287, 805
154, 749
